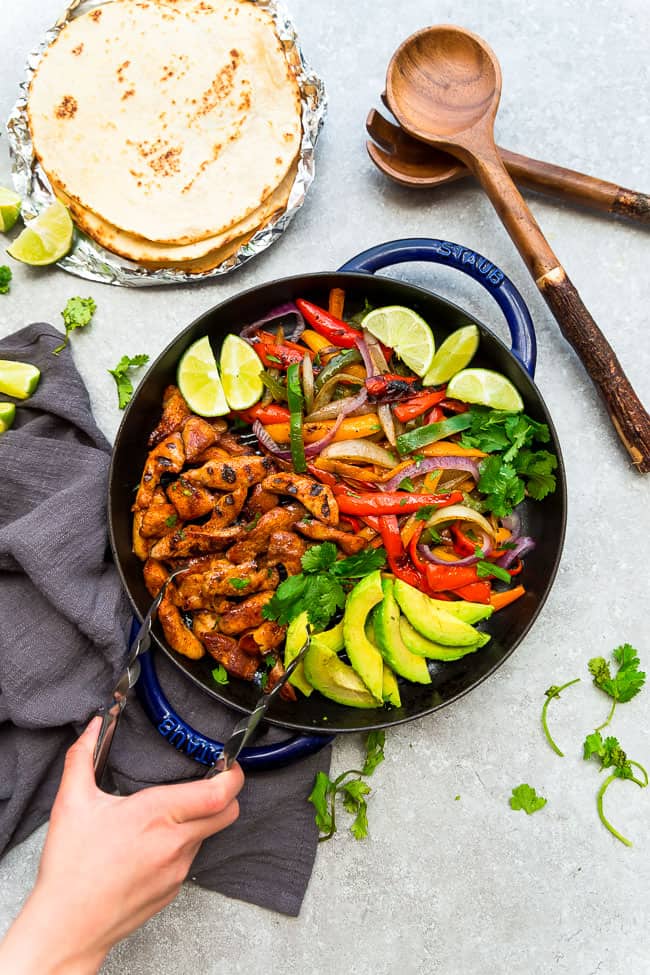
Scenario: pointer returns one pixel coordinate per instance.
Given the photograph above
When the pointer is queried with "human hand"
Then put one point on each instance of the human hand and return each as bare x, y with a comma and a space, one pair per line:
110, 863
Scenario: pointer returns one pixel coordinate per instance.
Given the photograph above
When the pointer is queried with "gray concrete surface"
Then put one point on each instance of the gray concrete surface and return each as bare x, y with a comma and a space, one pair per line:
445, 886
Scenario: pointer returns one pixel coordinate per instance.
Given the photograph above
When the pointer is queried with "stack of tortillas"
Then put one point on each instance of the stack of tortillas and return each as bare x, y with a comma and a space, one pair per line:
170, 128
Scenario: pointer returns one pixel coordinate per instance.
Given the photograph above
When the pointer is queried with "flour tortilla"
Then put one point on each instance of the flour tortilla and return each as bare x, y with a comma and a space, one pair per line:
174, 255
172, 120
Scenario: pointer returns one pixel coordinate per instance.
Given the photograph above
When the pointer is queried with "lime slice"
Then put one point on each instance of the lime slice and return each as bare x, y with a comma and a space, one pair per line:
403, 331
486, 388
9, 208
7, 414
240, 368
454, 354
46, 239
199, 380
18, 379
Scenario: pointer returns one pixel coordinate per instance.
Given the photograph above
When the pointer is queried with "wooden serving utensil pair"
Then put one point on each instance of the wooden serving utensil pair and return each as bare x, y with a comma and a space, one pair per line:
443, 86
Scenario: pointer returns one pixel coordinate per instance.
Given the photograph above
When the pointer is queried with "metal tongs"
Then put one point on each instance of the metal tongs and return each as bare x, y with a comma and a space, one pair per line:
245, 729
112, 714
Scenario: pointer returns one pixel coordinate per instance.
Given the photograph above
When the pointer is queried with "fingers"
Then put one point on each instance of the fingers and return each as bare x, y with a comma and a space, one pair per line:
78, 772
203, 799
199, 829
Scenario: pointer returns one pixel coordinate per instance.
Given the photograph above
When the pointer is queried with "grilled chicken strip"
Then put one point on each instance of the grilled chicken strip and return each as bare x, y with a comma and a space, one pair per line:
160, 517
155, 575
190, 500
167, 457
139, 544
261, 501
230, 443
224, 648
257, 539
348, 543
209, 537
245, 615
198, 590
178, 636
198, 435
286, 549
269, 635
317, 498
287, 692
240, 471
175, 413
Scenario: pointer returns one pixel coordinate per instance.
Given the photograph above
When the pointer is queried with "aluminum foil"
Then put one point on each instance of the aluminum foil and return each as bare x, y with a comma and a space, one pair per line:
88, 259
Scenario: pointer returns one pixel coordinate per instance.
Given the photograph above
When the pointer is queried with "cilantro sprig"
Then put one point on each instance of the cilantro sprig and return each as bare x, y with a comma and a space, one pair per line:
550, 693
320, 589
351, 788
77, 313
626, 682
609, 753
525, 797
512, 470
5, 279
121, 376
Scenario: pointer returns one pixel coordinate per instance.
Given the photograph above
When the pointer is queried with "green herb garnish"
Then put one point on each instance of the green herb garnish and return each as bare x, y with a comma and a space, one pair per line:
239, 583
353, 791
171, 521
551, 692
610, 755
121, 376
5, 278
220, 674
76, 314
524, 797
625, 684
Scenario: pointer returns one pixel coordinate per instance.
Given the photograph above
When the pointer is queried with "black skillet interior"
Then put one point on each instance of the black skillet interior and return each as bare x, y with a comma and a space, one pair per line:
545, 521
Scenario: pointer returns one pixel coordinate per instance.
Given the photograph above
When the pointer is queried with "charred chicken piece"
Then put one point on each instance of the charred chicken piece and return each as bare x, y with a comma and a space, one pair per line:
198, 590
224, 648
160, 517
178, 636
348, 543
193, 540
232, 445
245, 615
287, 692
261, 501
198, 435
317, 498
139, 544
256, 539
155, 576
175, 413
167, 457
235, 472
268, 636
286, 549
212, 453
190, 500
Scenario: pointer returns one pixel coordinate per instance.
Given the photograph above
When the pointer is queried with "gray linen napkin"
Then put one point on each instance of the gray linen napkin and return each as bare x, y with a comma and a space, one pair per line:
63, 637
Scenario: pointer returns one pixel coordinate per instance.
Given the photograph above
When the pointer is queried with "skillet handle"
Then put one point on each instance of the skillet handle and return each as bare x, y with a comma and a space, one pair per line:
206, 750
522, 331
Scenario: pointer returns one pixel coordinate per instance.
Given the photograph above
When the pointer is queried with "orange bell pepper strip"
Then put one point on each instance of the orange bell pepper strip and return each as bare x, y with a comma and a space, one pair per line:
499, 600
446, 448
315, 341
476, 592
352, 428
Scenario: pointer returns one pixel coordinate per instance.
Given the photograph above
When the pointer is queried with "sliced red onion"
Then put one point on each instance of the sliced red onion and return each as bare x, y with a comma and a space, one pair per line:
376, 354
385, 415
281, 311
486, 548
433, 464
513, 523
523, 545
362, 346
266, 440
308, 383
346, 406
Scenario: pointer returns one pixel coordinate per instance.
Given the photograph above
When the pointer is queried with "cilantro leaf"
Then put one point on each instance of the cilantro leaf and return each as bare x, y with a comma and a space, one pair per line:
360, 565
76, 314
121, 376
288, 596
5, 278
319, 558
354, 802
239, 583
220, 674
318, 595
374, 751
425, 513
625, 684
171, 521
353, 792
501, 484
611, 756
524, 797
485, 570
319, 798
537, 467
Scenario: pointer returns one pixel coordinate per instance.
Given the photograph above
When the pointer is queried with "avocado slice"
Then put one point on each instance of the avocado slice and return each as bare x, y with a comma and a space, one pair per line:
391, 645
419, 645
334, 679
434, 624
294, 642
333, 638
364, 657
390, 688
467, 612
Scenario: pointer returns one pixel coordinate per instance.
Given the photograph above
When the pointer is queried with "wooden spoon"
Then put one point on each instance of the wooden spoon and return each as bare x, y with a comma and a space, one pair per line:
443, 86
416, 164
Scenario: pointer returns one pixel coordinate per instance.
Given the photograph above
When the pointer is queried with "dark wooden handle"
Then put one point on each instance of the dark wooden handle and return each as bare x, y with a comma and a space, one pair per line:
567, 184
626, 410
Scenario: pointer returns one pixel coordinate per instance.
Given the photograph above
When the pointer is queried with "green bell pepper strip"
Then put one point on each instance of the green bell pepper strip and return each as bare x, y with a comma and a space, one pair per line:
295, 402
336, 364
421, 436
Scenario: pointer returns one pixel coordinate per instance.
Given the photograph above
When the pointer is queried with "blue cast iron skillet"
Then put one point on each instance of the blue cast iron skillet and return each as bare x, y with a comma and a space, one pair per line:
313, 720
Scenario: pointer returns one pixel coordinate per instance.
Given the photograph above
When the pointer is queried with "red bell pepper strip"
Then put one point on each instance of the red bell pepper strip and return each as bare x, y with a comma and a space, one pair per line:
276, 356
397, 558
267, 337
417, 405
450, 577
463, 546
333, 329
265, 413
435, 416
390, 387
323, 476
392, 502
454, 406
354, 523
476, 592
416, 558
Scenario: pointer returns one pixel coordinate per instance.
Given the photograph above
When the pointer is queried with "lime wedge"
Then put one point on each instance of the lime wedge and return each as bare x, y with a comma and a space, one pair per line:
486, 388
454, 354
199, 380
7, 414
18, 379
240, 368
46, 239
9, 208
403, 331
